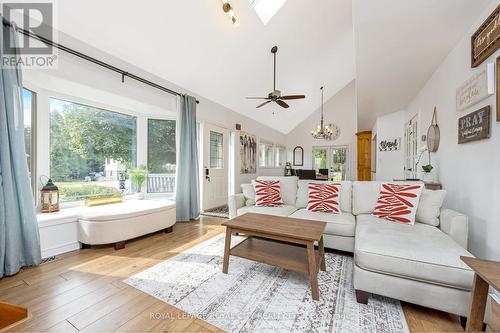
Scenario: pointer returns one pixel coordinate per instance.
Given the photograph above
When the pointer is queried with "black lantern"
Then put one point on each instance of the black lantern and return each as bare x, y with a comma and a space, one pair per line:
49, 199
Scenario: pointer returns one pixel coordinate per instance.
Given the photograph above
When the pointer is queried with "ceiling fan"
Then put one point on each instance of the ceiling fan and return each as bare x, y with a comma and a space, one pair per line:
275, 95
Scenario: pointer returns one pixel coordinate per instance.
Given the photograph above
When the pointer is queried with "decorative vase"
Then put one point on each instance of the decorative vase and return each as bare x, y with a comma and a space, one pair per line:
428, 177
139, 196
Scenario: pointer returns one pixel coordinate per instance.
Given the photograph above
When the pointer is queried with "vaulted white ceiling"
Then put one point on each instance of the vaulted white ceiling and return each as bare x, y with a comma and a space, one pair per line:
193, 44
391, 47
399, 44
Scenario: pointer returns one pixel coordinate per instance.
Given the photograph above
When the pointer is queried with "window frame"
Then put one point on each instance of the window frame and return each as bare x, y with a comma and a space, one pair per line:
277, 149
169, 195
221, 158
68, 204
33, 145
329, 158
119, 104
267, 164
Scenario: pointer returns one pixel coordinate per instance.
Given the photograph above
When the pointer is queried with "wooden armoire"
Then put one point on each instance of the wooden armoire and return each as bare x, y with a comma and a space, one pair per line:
364, 155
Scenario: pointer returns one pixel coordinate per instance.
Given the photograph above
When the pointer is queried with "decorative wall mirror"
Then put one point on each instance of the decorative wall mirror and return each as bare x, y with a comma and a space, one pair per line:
433, 134
298, 156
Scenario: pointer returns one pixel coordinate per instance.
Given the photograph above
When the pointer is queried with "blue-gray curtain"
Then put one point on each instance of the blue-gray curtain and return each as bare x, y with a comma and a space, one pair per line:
19, 236
187, 194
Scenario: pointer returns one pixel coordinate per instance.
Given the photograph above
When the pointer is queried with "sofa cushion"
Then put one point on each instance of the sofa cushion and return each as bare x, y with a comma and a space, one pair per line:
345, 193
420, 252
429, 206
288, 186
249, 194
278, 211
364, 197
341, 225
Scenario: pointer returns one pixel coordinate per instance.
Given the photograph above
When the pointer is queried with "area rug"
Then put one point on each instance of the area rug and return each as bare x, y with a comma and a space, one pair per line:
222, 212
256, 297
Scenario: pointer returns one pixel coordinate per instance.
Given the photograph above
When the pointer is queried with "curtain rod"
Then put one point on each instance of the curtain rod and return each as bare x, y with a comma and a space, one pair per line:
94, 60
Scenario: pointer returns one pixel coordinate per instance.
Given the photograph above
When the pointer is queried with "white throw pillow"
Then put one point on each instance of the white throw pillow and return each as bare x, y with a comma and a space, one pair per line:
345, 193
268, 193
288, 187
249, 194
324, 198
429, 207
398, 202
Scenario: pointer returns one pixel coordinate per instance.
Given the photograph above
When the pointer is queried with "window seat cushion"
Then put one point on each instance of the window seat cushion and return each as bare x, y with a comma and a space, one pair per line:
125, 209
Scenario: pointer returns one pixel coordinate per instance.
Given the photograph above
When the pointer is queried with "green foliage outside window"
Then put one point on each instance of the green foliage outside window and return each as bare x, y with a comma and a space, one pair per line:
82, 138
161, 146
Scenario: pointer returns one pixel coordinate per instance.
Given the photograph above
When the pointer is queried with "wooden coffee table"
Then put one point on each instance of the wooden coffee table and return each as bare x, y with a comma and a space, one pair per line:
279, 241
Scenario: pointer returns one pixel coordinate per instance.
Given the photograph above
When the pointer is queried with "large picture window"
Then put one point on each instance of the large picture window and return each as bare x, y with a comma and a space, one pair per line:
161, 156
90, 149
280, 159
266, 152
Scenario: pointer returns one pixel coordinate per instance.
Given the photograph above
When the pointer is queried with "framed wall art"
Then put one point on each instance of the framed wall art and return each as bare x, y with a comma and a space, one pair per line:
474, 126
486, 40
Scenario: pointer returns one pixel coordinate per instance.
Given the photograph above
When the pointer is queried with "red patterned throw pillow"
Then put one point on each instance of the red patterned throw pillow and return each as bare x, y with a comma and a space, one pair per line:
398, 202
324, 198
268, 193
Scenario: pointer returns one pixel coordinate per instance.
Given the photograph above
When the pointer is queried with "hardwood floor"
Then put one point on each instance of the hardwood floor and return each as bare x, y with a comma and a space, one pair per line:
83, 290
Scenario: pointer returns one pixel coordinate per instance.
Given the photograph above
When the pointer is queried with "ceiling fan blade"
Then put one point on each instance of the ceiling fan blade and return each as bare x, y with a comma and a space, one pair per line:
260, 105
292, 97
282, 104
257, 97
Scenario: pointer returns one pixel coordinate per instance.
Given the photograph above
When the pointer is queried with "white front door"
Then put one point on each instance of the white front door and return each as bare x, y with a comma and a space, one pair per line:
215, 166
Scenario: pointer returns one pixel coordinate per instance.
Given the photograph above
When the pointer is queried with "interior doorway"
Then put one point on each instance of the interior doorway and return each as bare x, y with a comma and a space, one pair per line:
215, 166
411, 148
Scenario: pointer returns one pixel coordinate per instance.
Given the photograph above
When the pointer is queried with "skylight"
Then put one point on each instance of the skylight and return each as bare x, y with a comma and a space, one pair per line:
266, 8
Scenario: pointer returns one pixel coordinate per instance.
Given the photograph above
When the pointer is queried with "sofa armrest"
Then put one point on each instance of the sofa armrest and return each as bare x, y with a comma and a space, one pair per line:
456, 225
234, 203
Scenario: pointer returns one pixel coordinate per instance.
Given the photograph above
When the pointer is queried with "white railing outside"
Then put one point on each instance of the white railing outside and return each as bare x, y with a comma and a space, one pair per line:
161, 183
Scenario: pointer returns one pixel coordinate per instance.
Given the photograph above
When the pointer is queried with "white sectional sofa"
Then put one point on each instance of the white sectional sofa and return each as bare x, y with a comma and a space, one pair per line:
419, 264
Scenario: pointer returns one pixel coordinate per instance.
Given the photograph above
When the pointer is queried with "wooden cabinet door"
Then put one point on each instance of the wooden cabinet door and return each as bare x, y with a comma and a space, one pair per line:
364, 155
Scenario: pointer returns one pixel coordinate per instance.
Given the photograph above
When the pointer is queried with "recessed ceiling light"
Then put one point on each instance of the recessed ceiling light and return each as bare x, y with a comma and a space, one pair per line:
266, 9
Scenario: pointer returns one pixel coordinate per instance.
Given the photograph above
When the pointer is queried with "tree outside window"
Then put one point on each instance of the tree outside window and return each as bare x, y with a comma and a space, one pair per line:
90, 149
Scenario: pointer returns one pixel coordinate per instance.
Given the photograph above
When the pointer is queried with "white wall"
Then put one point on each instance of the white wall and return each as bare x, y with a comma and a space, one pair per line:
469, 172
390, 164
340, 110
81, 81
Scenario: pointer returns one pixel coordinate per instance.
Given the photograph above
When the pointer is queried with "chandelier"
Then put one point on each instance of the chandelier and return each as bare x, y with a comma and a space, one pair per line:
322, 132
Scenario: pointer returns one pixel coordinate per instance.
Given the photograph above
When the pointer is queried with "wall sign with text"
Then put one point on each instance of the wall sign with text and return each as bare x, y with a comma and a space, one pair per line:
476, 88
474, 126
390, 144
486, 40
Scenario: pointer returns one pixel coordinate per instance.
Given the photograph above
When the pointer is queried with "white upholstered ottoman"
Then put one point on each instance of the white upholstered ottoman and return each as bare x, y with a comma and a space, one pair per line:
119, 222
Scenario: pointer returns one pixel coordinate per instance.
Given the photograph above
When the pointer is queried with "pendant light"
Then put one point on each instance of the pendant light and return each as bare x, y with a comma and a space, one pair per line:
322, 132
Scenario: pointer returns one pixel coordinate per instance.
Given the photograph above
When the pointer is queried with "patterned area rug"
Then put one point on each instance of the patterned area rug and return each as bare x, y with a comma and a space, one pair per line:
222, 212
256, 297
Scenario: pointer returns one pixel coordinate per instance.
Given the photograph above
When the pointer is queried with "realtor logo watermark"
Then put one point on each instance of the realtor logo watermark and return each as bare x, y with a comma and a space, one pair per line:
37, 18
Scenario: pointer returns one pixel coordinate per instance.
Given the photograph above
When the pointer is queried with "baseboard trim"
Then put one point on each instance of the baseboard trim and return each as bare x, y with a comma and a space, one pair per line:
53, 251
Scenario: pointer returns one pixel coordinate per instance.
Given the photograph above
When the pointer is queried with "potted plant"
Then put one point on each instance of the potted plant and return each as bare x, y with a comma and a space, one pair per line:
138, 176
428, 177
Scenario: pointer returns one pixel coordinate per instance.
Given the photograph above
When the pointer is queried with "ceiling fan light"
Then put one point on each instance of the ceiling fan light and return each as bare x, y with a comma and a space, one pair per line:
230, 13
